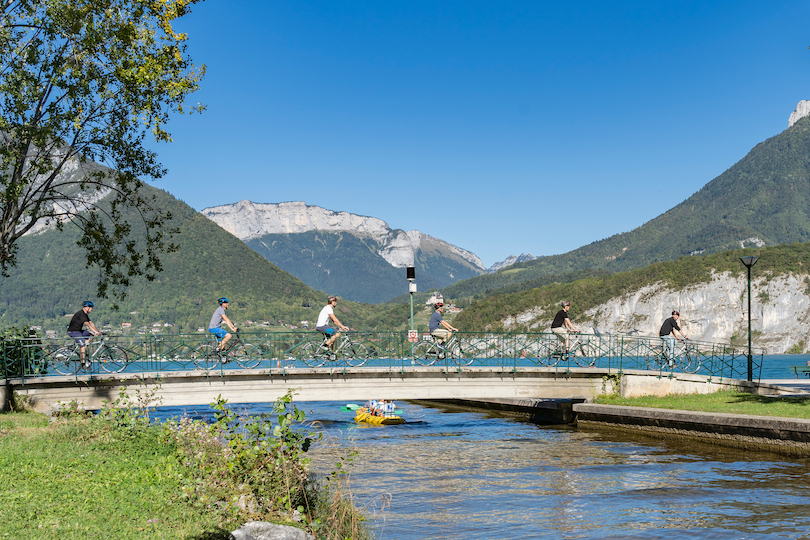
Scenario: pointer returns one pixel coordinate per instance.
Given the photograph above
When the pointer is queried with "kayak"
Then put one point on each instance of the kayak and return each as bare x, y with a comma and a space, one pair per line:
363, 416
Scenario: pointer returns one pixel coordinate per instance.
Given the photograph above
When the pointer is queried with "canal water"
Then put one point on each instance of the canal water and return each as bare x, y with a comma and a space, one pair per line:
454, 474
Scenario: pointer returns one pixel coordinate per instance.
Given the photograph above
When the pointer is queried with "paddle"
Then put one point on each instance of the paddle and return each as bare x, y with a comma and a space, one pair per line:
348, 408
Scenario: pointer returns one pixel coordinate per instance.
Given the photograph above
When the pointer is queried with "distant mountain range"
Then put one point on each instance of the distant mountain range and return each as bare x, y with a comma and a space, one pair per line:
52, 279
762, 200
358, 257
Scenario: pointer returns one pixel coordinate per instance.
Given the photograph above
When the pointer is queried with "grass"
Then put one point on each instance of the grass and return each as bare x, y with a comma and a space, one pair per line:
118, 475
728, 401
74, 479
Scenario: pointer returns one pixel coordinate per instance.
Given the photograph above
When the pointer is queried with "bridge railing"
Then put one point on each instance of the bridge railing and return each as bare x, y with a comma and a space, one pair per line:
38, 357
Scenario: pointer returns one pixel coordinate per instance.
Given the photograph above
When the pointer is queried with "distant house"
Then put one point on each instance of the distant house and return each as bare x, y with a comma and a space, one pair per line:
126, 325
435, 297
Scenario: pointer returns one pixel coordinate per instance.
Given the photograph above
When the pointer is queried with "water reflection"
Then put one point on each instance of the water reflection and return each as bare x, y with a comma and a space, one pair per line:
462, 475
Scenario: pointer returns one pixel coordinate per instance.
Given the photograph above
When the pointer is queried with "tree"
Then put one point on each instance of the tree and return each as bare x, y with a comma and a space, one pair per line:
82, 83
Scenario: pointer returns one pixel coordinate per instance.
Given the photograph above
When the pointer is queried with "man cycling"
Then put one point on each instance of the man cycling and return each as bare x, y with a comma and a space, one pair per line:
215, 326
439, 328
76, 330
326, 316
667, 333
561, 324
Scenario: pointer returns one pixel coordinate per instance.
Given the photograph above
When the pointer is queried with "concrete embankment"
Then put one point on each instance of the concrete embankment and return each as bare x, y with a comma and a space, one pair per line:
788, 436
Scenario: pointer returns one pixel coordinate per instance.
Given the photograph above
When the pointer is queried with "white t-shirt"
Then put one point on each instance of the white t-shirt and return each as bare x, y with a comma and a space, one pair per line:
323, 316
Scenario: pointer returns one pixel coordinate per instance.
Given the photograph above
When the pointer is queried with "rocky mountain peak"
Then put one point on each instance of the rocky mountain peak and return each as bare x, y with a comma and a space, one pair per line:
248, 220
802, 110
509, 261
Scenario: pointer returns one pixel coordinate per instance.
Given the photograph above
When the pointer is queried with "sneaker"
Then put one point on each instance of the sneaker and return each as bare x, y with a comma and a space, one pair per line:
86, 365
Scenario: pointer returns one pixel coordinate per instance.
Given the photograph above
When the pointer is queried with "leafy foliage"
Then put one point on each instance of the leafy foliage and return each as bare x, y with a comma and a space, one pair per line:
83, 81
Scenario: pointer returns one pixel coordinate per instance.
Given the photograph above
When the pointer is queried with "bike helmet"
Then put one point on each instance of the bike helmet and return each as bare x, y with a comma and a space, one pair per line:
87, 303
223, 301
675, 313
331, 299
437, 305
565, 303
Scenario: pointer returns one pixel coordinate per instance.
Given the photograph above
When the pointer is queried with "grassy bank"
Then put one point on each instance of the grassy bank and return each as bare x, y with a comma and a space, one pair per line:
729, 402
116, 475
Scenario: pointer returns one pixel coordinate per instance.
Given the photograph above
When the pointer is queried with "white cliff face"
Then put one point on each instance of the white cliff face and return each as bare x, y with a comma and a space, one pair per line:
247, 220
802, 110
713, 311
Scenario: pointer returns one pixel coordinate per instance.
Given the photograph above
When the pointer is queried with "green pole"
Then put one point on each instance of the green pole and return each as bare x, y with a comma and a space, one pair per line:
411, 311
750, 359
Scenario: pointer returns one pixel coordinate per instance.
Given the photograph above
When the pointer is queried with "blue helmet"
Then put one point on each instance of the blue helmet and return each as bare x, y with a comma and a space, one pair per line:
87, 303
223, 300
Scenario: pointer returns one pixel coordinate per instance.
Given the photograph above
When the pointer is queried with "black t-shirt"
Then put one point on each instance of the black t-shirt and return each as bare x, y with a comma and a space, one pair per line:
559, 319
666, 328
78, 320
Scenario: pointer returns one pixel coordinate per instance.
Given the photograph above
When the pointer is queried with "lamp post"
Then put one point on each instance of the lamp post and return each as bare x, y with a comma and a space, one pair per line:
410, 275
749, 262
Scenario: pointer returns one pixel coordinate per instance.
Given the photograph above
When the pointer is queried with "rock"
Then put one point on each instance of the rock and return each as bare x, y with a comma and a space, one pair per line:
802, 110
509, 261
260, 530
711, 311
247, 220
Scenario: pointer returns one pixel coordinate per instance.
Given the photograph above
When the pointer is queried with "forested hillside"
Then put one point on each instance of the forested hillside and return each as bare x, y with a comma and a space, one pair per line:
51, 280
764, 198
584, 294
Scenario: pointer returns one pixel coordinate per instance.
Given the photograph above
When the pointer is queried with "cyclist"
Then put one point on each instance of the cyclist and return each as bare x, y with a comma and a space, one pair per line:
561, 324
326, 316
80, 335
215, 326
439, 328
667, 333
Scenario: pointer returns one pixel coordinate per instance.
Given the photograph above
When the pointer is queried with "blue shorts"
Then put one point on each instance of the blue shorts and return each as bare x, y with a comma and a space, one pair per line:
328, 331
219, 332
78, 337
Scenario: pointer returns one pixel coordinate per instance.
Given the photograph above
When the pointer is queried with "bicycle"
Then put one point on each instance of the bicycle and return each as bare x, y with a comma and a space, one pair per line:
686, 358
209, 356
315, 354
576, 350
67, 360
427, 352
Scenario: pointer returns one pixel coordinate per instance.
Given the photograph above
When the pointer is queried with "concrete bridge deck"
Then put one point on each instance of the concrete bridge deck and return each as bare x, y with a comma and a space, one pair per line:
180, 388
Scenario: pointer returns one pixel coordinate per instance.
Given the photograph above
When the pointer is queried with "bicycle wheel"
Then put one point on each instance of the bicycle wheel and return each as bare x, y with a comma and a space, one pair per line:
456, 353
247, 355
112, 359
656, 361
548, 354
312, 355
66, 361
578, 352
356, 354
422, 353
690, 362
205, 356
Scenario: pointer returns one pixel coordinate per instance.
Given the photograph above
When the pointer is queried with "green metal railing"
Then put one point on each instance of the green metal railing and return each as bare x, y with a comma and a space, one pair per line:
281, 351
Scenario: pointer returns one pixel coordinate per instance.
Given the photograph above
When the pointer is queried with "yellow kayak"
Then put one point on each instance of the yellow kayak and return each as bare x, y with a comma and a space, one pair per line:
366, 418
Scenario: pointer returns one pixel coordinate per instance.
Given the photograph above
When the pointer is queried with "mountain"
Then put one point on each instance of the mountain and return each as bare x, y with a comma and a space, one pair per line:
51, 280
762, 200
360, 258
509, 261
709, 291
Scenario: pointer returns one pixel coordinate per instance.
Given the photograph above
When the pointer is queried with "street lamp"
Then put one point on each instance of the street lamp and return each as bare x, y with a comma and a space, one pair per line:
749, 262
410, 275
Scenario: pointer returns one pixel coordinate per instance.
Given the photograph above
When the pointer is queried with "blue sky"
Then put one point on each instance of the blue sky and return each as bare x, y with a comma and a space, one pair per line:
501, 127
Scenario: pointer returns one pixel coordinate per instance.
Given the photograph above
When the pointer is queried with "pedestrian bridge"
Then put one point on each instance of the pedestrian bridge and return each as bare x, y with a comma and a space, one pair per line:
182, 370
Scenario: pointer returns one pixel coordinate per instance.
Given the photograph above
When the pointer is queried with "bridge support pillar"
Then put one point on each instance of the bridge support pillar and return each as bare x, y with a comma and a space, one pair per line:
5, 396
